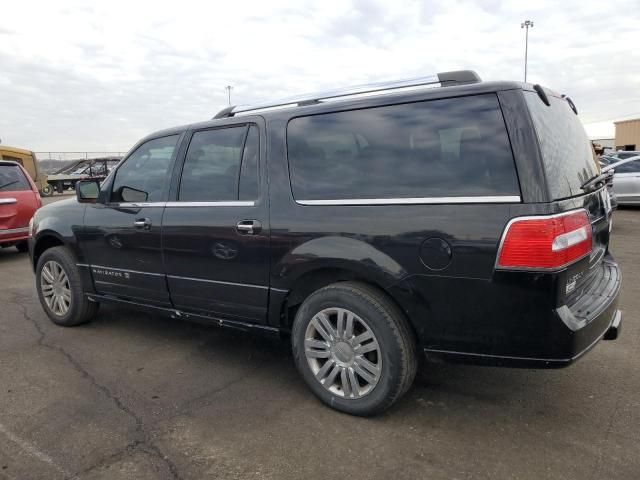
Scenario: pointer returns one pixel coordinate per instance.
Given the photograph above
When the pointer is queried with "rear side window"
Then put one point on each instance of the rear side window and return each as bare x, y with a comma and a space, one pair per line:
221, 165
567, 154
12, 179
248, 188
441, 148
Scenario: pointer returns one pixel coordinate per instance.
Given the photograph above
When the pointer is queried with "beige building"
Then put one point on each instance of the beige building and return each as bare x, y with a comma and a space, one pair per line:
627, 134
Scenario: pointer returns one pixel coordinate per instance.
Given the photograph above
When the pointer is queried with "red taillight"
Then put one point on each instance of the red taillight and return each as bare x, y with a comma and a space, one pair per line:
545, 243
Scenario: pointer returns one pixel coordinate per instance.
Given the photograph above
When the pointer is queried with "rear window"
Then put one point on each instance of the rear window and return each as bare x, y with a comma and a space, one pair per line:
567, 153
440, 148
12, 179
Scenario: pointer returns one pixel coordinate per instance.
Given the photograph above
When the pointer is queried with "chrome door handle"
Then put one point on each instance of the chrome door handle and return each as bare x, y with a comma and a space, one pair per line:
142, 223
248, 227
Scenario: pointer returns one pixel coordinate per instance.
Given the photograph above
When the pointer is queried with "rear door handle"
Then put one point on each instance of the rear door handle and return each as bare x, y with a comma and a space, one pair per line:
248, 227
144, 223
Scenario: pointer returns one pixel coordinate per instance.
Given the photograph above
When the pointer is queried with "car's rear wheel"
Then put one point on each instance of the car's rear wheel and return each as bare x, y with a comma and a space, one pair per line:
354, 348
22, 246
60, 288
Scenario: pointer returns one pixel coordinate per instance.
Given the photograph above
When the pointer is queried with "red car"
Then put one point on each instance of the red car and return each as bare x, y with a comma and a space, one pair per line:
19, 200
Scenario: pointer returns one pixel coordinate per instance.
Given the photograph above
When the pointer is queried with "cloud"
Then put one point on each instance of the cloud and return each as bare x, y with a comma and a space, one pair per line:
100, 76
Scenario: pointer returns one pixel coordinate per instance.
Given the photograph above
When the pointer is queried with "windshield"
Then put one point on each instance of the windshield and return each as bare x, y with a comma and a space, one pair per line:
625, 155
567, 154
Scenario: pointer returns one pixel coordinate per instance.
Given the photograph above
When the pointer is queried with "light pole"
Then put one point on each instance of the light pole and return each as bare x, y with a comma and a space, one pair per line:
228, 88
526, 24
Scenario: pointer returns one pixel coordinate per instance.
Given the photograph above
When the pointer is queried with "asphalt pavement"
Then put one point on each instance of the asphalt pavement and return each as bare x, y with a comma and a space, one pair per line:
134, 395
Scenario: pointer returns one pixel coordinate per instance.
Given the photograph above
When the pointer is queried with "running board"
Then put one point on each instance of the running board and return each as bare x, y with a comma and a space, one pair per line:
190, 316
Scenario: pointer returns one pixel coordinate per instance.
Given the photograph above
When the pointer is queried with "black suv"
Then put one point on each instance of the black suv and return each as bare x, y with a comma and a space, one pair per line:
463, 219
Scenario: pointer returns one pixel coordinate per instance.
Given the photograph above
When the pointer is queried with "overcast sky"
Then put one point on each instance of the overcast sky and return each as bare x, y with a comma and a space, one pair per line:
78, 76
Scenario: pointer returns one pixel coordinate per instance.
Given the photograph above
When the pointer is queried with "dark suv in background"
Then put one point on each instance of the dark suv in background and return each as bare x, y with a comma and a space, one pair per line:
463, 219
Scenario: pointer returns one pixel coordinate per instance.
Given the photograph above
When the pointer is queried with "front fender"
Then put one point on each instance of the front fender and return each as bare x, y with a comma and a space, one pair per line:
61, 220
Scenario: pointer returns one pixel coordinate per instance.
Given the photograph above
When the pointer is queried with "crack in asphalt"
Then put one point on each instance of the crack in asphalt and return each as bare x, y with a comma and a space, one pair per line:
113, 458
144, 441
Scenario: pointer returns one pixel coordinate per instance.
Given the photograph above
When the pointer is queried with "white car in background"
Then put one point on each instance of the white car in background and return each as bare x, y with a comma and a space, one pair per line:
626, 179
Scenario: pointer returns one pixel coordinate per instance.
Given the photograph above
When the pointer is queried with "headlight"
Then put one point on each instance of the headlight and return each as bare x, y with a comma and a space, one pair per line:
30, 227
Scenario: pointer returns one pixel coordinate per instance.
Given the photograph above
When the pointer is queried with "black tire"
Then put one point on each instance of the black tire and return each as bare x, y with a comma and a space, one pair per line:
46, 191
397, 345
80, 309
23, 246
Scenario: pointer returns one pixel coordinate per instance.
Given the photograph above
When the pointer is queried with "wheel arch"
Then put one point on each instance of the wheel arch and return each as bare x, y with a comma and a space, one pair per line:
46, 240
318, 278
322, 261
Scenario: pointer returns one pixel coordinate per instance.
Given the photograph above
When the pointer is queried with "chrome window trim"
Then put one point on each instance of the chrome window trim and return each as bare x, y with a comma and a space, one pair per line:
234, 203
14, 230
136, 204
8, 201
414, 201
250, 285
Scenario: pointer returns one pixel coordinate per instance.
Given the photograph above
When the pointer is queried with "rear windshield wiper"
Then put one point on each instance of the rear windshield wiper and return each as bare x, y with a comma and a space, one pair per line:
7, 184
594, 183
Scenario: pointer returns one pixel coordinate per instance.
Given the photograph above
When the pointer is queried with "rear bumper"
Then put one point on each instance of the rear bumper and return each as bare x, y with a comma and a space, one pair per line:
14, 235
575, 328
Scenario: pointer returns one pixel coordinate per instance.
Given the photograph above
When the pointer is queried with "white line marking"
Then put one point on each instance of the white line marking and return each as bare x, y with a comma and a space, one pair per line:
33, 450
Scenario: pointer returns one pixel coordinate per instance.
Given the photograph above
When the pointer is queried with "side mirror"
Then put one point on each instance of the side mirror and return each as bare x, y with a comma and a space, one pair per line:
87, 191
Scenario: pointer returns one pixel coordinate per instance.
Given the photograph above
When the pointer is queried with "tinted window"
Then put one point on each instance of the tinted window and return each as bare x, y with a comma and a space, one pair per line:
451, 147
216, 169
567, 153
630, 167
12, 179
144, 175
249, 168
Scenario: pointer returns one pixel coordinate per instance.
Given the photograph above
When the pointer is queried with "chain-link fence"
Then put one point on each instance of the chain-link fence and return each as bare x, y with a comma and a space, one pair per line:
70, 156
50, 162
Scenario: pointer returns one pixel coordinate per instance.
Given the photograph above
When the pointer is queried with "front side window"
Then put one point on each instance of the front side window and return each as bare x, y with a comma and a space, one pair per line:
144, 175
12, 179
221, 165
441, 148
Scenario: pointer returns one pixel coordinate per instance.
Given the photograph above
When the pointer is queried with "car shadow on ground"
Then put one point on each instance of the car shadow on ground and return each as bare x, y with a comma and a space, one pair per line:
437, 385
8, 254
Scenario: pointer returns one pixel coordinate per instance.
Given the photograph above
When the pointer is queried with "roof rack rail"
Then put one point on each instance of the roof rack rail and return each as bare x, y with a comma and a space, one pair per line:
444, 79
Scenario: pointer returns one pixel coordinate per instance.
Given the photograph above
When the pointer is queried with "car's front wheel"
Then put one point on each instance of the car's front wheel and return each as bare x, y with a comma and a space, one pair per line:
60, 288
354, 348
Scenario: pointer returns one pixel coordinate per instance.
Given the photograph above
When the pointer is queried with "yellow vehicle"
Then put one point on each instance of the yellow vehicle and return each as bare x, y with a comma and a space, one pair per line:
28, 160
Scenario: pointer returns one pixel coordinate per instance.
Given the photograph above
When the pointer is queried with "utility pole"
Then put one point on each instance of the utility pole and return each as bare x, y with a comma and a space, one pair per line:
526, 24
228, 88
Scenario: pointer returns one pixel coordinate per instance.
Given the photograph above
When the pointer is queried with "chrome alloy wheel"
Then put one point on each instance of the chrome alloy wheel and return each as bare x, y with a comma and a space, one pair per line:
55, 288
343, 353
